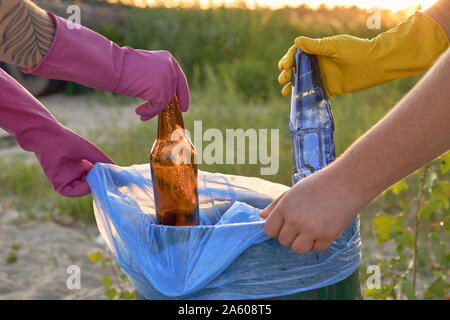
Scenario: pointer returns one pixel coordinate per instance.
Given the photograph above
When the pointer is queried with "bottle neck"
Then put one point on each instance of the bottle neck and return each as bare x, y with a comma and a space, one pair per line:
170, 119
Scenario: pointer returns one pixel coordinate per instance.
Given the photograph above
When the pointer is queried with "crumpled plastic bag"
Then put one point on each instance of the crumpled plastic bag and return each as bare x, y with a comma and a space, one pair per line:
227, 256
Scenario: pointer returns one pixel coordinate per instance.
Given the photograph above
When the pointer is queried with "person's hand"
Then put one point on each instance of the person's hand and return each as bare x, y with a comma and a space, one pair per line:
84, 56
65, 157
311, 215
350, 64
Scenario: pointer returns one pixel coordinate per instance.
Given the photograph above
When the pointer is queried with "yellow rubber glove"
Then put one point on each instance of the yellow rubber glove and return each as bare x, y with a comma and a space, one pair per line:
350, 64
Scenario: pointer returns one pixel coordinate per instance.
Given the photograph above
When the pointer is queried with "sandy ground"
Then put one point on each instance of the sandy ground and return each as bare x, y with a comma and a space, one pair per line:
46, 252
47, 249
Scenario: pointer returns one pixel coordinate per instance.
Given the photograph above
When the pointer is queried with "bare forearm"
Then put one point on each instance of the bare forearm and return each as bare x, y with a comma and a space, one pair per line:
26, 33
415, 132
440, 12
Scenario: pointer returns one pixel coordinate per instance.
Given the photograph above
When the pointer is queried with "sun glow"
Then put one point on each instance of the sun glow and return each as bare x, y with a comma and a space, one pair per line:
275, 4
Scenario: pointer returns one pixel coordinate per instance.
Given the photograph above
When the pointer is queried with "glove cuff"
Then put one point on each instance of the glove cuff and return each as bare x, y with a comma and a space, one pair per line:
81, 55
411, 47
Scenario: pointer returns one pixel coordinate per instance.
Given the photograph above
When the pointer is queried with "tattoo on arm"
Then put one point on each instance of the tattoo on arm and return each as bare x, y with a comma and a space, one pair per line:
26, 32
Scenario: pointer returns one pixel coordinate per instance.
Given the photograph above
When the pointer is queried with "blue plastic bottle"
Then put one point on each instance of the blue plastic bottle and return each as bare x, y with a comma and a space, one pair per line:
311, 125
311, 128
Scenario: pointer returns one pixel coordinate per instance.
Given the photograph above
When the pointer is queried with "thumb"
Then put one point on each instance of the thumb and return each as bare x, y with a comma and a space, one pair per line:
96, 155
147, 110
323, 46
287, 61
268, 210
182, 89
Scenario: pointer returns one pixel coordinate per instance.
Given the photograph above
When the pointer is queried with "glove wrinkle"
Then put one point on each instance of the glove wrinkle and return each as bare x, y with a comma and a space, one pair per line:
350, 64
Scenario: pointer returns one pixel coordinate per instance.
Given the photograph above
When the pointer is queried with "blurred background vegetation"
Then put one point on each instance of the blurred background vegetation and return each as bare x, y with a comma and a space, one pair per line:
230, 58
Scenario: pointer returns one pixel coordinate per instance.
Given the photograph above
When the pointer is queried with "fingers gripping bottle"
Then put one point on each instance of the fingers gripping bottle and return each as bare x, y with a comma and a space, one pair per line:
311, 125
174, 171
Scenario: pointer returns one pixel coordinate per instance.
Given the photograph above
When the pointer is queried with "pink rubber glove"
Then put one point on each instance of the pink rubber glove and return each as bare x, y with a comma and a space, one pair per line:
65, 157
83, 56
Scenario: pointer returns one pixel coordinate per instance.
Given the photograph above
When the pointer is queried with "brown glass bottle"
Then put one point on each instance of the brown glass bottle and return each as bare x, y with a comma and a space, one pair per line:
174, 172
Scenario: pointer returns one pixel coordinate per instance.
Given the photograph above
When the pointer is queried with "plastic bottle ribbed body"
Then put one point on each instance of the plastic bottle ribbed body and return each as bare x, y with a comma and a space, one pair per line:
311, 125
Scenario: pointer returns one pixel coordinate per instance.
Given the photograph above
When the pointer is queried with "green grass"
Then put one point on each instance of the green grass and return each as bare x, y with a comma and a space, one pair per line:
241, 46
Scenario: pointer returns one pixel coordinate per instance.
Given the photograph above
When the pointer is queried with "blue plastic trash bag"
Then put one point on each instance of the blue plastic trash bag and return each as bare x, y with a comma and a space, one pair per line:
227, 256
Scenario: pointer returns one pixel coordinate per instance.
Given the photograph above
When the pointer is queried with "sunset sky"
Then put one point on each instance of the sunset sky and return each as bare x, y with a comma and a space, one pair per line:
387, 4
